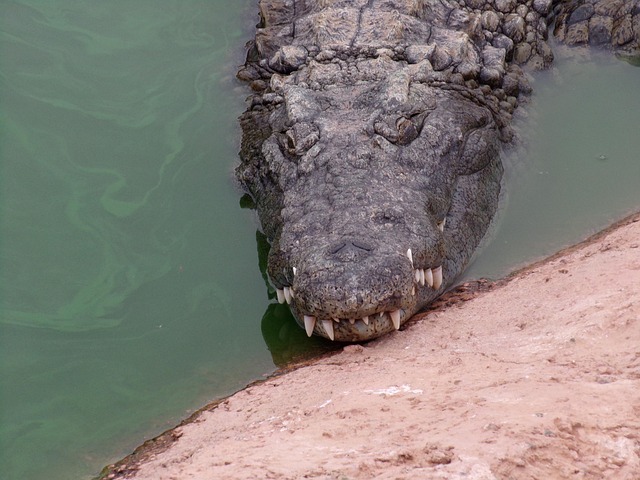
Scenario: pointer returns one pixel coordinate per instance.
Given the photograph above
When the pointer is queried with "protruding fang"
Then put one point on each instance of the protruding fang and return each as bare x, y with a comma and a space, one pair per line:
413, 289
328, 327
352, 321
437, 277
292, 293
295, 270
395, 318
381, 314
287, 294
309, 324
366, 320
422, 277
337, 320
442, 224
428, 277
280, 295
410, 256
416, 275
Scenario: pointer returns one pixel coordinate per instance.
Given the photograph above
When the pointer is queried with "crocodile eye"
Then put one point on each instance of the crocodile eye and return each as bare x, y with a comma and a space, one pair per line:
407, 131
291, 141
381, 128
403, 132
301, 137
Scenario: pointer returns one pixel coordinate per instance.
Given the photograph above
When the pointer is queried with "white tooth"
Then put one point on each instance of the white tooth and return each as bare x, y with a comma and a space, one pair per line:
366, 320
416, 275
410, 256
328, 327
381, 314
337, 320
413, 290
295, 270
428, 277
352, 321
442, 224
395, 318
287, 294
309, 324
291, 292
422, 277
280, 295
437, 277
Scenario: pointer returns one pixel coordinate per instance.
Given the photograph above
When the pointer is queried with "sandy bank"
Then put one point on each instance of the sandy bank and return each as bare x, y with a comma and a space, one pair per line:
537, 376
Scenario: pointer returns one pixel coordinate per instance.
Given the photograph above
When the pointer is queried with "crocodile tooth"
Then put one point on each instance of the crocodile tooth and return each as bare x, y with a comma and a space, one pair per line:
309, 324
295, 270
413, 290
442, 224
381, 314
437, 277
366, 320
416, 275
280, 295
410, 256
395, 318
422, 277
337, 320
428, 277
287, 294
291, 293
328, 327
352, 321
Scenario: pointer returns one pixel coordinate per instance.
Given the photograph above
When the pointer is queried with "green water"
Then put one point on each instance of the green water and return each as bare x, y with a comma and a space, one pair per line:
129, 282
580, 168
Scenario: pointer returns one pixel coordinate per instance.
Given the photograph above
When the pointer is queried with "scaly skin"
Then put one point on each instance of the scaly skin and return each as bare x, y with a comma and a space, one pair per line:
371, 146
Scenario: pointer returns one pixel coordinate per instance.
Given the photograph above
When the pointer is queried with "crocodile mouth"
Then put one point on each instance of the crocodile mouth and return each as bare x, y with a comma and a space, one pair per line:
379, 319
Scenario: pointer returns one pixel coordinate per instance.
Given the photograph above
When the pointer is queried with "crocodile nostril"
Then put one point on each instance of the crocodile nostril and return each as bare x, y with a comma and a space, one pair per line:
350, 249
361, 245
337, 248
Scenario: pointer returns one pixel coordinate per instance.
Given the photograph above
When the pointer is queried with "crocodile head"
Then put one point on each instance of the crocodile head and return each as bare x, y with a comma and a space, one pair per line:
374, 199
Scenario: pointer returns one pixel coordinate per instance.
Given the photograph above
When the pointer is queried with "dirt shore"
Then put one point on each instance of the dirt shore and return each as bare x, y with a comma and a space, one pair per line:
536, 377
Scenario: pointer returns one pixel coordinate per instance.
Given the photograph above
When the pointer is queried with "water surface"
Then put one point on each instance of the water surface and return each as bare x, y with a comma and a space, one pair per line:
130, 289
579, 167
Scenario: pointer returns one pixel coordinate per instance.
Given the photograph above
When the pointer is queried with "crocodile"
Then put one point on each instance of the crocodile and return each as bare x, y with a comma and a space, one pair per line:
372, 141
